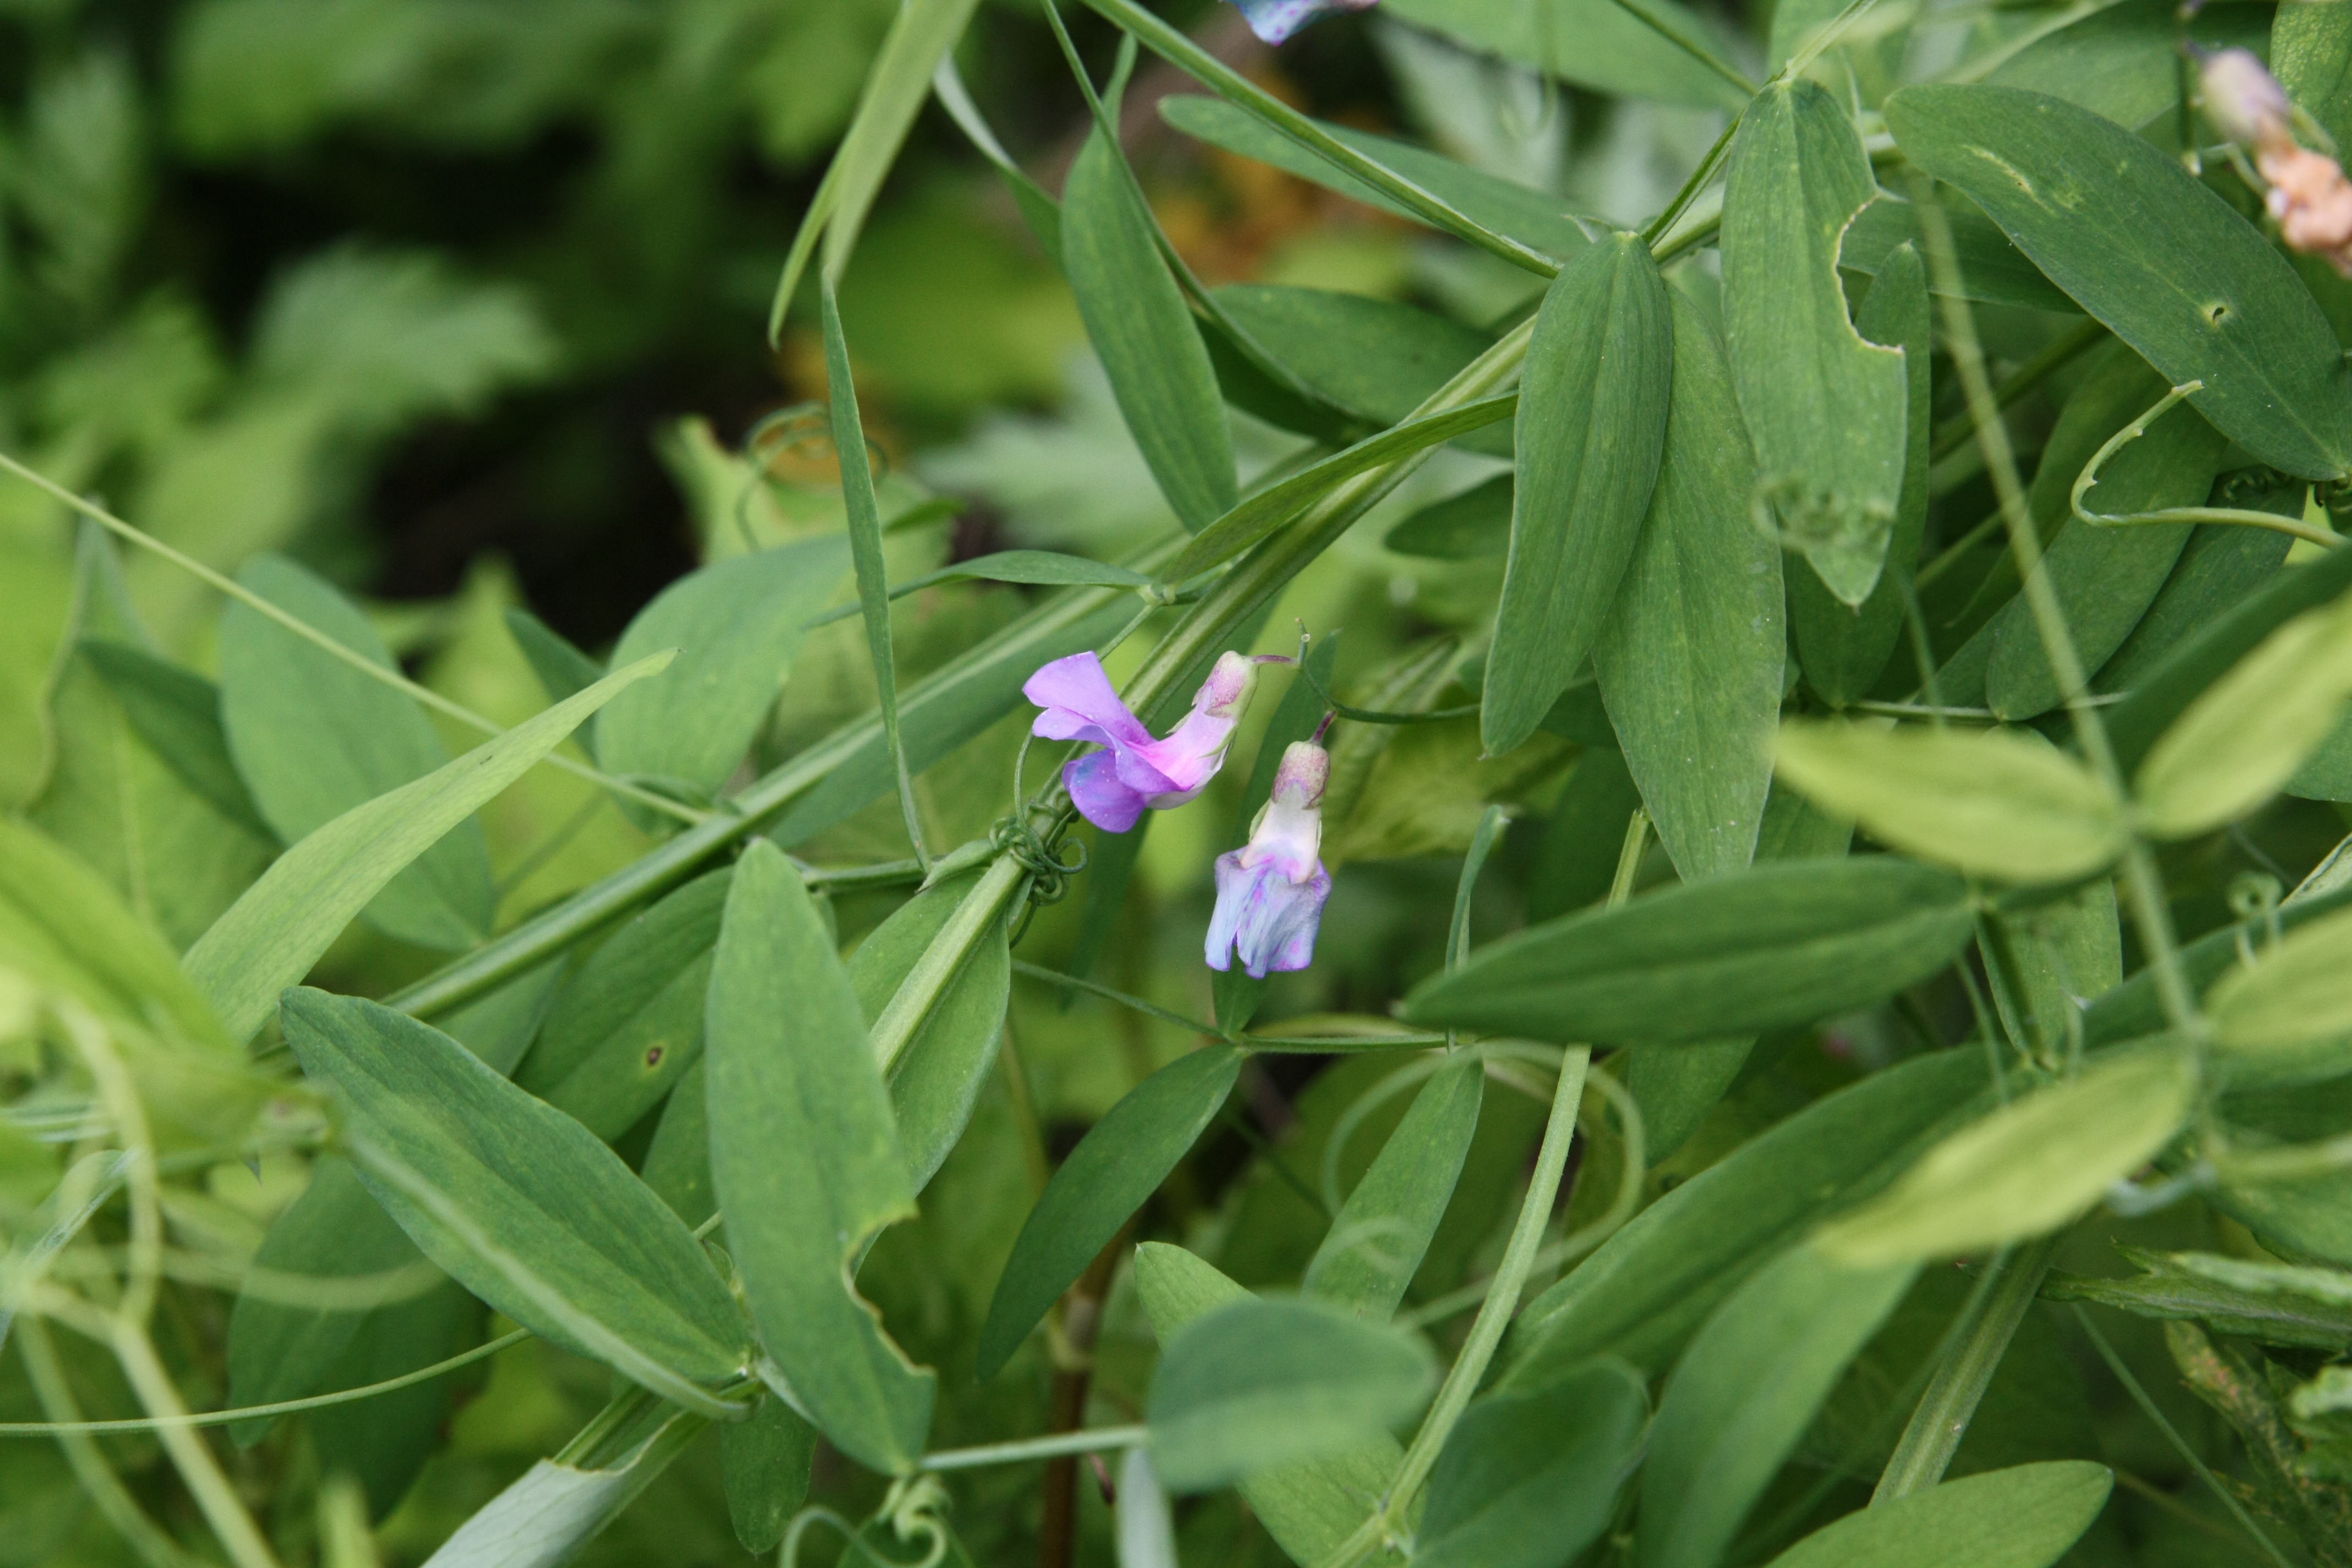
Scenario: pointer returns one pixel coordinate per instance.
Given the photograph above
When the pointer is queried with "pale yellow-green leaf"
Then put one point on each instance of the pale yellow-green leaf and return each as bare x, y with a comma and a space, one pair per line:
2028, 1168
2300, 992
1991, 803
2252, 729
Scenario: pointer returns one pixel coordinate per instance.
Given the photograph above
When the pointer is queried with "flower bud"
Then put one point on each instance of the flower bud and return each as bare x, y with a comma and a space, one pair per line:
2244, 102
1270, 892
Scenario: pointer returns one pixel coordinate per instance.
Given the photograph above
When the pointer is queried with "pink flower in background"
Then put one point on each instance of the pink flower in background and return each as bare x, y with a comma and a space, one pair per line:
1270, 892
1112, 787
1275, 20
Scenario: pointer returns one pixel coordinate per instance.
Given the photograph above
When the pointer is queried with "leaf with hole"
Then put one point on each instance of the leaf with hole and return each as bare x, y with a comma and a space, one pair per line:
1826, 407
2146, 248
1843, 648
627, 1024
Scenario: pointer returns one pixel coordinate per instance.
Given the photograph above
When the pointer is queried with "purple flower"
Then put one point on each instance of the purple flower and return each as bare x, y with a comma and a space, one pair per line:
1270, 892
1112, 787
1275, 20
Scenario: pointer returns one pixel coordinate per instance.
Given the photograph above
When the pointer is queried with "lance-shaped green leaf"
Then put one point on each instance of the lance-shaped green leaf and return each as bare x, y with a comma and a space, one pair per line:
1744, 1394
736, 624
2277, 1303
806, 1163
1120, 1163
1310, 1507
2299, 992
2105, 578
314, 738
1528, 1480
270, 937
523, 1205
1381, 1233
1276, 505
1691, 659
2148, 250
1841, 646
1255, 1384
939, 1073
1652, 1283
2028, 1168
2248, 735
921, 37
1988, 802
628, 1024
1536, 219
1591, 430
1142, 332
2021, 1518
1825, 408
1732, 955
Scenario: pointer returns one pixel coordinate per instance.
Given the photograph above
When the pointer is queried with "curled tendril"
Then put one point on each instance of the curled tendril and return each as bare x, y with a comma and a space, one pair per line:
915, 1510
1049, 875
802, 430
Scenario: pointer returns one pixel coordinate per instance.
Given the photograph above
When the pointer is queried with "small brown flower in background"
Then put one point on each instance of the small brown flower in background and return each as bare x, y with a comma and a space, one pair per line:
2308, 193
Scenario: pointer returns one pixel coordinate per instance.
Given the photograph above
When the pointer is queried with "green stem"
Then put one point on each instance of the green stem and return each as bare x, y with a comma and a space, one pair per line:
1941, 1418
1054, 1447
1487, 1331
252, 1412
2143, 890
